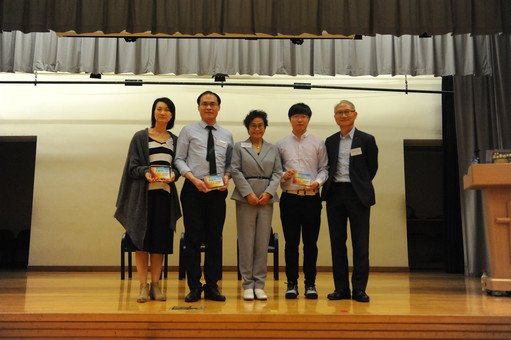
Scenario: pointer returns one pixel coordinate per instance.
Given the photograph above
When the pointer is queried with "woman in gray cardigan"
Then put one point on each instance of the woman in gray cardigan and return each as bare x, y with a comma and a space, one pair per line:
147, 204
256, 172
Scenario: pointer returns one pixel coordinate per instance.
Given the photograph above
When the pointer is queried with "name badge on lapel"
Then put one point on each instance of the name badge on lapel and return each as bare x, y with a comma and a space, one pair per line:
356, 151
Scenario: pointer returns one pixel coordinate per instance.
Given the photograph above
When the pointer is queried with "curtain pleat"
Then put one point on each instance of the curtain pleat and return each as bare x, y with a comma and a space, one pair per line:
381, 54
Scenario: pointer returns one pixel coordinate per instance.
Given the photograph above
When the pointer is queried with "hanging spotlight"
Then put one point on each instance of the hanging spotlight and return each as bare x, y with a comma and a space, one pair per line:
297, 41
220, 77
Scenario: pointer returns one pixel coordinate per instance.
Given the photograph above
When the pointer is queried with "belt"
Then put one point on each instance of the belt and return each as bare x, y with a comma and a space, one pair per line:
302, 192
257, 177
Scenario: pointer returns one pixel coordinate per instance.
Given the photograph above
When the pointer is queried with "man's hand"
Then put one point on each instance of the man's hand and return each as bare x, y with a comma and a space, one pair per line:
313, 186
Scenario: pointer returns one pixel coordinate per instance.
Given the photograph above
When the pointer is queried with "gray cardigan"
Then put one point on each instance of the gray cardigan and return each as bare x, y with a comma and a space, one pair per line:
131, 205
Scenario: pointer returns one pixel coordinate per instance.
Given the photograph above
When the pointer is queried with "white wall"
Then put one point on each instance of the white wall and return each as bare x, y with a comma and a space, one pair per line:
83, 133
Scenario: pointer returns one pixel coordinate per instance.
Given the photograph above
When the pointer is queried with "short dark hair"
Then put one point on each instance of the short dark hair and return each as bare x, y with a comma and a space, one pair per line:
172, 109
209, 92
299, 108
253, 115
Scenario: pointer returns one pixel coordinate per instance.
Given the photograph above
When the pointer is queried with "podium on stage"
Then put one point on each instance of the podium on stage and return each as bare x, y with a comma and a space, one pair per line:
494, 180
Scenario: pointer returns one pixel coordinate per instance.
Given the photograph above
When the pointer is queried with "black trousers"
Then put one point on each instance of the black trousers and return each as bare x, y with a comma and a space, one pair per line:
301, 215
203, 217
342, 204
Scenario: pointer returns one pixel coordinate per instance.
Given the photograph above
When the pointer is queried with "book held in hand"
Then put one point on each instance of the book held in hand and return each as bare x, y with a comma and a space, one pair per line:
214, 182
302, 178
160, 173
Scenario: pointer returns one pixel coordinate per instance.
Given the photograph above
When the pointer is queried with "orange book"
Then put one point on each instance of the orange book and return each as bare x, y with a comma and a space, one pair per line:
302, 178
214, 182
160, 173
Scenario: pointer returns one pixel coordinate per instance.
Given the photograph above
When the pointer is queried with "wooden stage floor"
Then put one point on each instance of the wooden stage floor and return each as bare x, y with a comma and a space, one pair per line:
100, 305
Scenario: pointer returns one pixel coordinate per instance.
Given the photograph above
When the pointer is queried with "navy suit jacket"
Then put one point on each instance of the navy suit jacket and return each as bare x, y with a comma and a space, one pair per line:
363, 167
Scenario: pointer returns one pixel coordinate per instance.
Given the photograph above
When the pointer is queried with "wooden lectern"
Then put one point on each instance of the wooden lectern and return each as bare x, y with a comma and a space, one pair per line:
495, 182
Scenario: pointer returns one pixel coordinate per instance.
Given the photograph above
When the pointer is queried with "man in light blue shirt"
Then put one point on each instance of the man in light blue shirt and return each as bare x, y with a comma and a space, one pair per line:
203, 157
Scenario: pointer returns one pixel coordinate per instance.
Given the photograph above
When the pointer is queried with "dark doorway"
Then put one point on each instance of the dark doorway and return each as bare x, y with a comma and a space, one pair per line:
424, 187
17, 166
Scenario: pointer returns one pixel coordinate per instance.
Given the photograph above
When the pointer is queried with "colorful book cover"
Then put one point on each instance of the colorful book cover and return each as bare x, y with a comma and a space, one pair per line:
160, 173
214, 182
302, 178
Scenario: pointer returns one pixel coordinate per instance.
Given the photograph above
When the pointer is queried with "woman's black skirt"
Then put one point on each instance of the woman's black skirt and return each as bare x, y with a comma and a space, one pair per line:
159, 238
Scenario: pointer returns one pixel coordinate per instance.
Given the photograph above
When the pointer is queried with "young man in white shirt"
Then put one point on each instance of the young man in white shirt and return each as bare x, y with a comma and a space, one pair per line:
304, 161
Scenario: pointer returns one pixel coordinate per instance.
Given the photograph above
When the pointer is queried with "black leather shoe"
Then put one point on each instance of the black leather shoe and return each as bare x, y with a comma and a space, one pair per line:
194, 295
341, 294
360, 296
213, 294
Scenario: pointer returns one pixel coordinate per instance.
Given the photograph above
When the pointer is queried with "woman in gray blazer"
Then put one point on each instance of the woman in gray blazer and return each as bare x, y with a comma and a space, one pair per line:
256, 172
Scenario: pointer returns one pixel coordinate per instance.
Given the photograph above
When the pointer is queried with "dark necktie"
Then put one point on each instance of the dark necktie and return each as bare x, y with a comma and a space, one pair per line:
210, 156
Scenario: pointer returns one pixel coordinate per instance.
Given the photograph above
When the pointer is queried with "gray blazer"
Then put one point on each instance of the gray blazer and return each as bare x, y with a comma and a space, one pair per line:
255, 173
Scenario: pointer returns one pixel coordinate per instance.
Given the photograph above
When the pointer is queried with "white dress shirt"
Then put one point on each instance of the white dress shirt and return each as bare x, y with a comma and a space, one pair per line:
306, 154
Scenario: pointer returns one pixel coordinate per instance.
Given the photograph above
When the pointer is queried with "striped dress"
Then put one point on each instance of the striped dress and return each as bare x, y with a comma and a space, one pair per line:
159, 237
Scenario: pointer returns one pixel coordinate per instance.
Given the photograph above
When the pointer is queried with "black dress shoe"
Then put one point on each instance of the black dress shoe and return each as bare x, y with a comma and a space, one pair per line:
194, 295
341, 294
213, 294
360, 296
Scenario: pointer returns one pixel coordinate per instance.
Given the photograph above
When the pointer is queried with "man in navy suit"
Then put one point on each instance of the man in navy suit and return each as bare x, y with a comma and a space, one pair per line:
349, 195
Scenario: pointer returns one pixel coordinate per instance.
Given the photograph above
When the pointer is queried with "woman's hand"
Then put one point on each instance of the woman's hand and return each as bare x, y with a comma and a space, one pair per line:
149, 177
171, 179
264, 198
252, 199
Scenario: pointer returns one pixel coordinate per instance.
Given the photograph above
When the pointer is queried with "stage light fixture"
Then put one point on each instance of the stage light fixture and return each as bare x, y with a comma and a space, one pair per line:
220, 77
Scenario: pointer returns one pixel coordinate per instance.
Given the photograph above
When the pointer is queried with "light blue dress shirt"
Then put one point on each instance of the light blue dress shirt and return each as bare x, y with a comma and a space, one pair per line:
343, 161
192, 147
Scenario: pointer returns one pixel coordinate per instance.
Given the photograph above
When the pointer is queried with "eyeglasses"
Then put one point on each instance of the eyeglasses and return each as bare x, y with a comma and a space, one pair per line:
344, 113
259, 126
208, 104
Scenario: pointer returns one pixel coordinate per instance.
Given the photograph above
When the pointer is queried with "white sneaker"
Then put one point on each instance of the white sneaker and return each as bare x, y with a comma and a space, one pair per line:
260, 294
248, 294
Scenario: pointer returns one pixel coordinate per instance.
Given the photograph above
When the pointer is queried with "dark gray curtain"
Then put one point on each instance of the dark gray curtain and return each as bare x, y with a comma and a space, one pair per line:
366, 17
483, 121
453, 230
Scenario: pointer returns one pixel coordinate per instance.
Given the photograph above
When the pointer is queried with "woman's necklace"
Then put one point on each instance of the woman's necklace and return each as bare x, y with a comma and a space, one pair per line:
257, 147
159, 135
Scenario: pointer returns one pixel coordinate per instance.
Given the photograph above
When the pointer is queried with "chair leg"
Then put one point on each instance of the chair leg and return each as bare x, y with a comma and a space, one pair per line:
130, 265
123, 265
